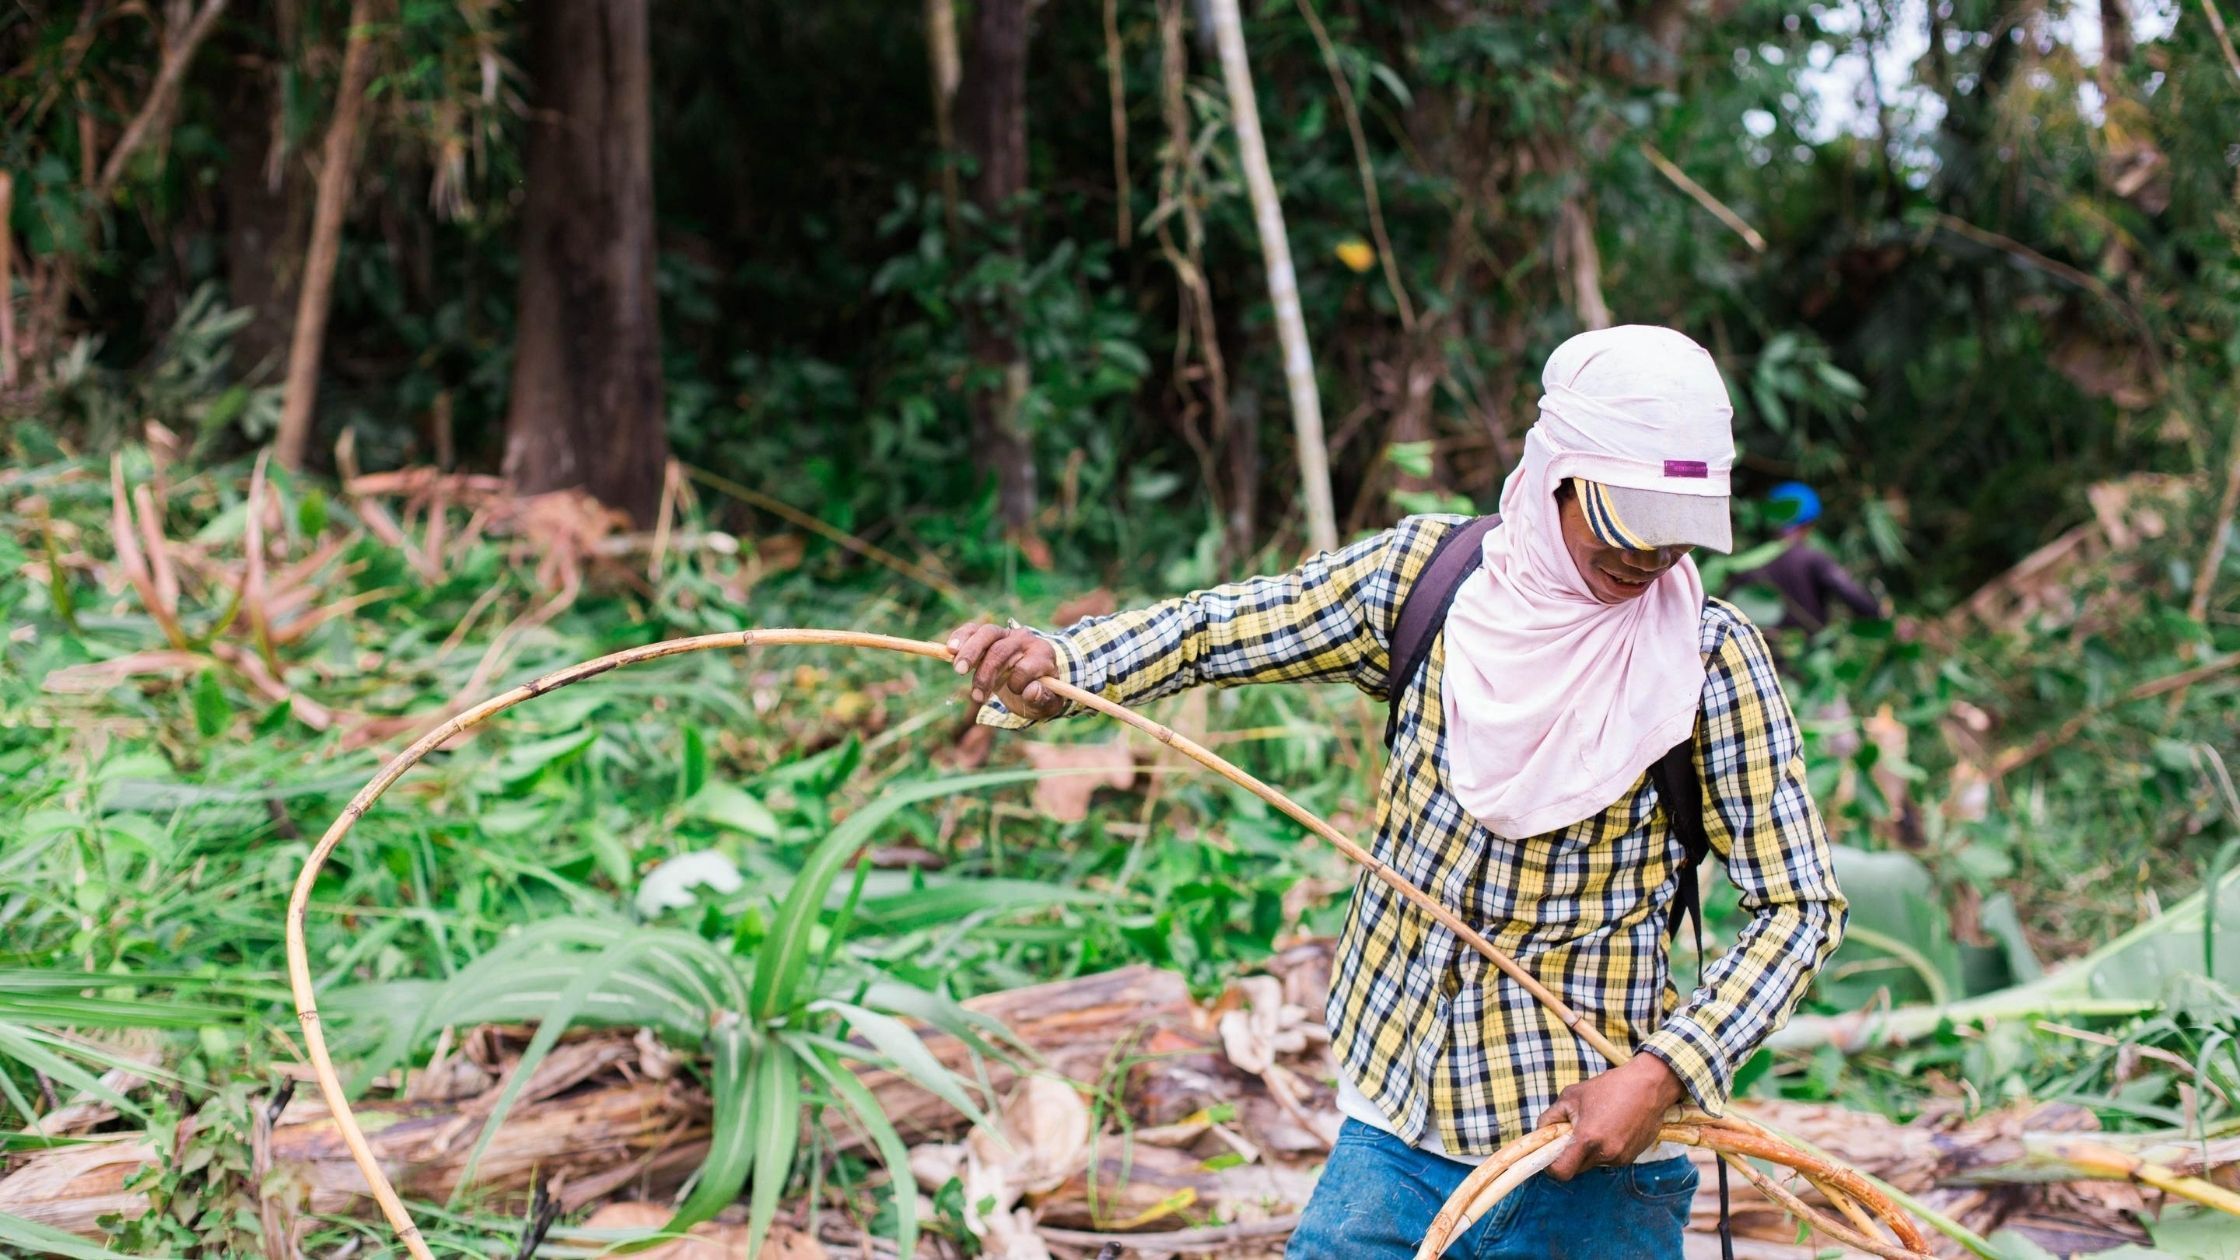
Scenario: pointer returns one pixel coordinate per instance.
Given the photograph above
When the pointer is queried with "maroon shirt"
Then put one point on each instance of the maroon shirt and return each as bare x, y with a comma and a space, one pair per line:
1806, 577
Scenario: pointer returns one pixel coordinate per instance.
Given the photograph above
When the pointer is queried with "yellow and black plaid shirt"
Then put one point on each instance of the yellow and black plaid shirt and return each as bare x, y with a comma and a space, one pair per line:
1424, 1026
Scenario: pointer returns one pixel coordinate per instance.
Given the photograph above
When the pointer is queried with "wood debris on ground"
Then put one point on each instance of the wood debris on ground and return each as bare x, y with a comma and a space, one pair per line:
1174, 1126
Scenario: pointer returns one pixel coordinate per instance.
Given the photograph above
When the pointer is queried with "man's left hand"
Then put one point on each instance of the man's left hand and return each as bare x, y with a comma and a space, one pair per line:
1615, 1116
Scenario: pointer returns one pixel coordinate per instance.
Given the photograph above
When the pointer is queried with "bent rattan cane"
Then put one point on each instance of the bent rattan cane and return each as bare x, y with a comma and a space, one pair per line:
1733, 1138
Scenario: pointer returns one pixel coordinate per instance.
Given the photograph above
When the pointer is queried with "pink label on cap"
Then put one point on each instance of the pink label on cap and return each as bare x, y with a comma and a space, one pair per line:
1686, 468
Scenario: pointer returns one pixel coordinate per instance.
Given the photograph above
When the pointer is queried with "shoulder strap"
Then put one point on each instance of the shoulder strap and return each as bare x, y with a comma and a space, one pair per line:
1423, 609
1682, 794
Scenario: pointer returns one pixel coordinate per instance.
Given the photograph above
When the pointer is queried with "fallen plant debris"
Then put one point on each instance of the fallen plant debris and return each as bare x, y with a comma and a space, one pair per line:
160, 788
1080, 1151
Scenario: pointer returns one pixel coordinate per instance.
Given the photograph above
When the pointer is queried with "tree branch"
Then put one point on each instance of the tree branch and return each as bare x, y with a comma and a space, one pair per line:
2224, 41
1718, 208
1369, 193
178, 50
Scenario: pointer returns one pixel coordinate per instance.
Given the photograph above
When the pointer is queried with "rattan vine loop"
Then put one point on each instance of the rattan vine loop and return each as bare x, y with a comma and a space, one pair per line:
1732, 1137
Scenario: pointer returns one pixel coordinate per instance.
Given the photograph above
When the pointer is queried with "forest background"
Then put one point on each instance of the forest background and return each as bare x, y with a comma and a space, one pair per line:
358, 360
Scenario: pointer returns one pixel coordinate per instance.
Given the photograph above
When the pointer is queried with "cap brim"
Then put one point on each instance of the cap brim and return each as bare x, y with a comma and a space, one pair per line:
1641, 520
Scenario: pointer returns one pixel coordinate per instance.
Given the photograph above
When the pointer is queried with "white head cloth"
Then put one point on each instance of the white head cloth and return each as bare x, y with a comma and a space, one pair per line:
1555, 701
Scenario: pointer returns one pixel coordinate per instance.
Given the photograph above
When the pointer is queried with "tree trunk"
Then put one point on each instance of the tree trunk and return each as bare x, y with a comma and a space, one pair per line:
992, 128
946, 70
1283, 281
586, 409
337, 165
2115, 38
261, 194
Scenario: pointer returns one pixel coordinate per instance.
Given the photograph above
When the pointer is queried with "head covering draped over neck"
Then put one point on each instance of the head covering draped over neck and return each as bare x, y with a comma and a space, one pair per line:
1555, 701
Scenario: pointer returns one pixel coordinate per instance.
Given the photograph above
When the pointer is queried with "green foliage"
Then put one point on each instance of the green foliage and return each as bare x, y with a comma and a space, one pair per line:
1945, 327
188, 383
725, 800
2018, 281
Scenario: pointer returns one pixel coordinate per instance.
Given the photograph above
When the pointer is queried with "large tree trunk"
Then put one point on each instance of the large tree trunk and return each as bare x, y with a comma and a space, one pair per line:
992, 128
586, 405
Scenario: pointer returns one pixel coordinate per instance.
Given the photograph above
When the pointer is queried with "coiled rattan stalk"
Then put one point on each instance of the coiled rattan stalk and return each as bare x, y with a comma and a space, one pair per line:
1735, 1140
1731, 1137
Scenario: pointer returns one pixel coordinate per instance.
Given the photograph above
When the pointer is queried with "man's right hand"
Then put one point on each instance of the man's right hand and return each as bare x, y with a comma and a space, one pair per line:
1009, 665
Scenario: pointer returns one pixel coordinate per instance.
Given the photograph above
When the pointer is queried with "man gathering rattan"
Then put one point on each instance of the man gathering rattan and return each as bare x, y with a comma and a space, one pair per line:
1566, 702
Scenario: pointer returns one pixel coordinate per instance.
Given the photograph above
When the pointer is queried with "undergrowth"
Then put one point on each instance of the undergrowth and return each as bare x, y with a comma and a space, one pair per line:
164, 770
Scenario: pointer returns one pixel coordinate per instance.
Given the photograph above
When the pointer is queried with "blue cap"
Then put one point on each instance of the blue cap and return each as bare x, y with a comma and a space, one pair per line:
1808, 503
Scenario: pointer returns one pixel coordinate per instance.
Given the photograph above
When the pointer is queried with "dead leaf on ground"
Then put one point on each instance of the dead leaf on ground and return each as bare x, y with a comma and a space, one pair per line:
1262, 1025
1065, 797
1045, 1135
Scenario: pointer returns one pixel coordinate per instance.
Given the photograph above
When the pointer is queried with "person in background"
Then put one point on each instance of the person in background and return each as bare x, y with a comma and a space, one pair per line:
1806, 577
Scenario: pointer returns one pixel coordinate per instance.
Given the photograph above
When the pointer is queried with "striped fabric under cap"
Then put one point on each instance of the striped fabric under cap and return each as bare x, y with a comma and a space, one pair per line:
1642, 520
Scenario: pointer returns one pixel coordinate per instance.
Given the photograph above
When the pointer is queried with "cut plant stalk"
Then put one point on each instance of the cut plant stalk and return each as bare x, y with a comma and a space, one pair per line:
1731, 1136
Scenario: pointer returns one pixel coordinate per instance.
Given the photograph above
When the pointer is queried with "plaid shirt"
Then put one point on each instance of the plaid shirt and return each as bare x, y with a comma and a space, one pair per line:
1425, 1027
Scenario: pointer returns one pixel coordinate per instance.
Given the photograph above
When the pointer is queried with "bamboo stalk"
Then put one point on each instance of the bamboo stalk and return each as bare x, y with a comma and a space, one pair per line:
1730, 1136
7, 282
2109, 1162
1719, 209
1116, 89
2224, 41
337, 167
946, 69
1819, 1222
1283, 280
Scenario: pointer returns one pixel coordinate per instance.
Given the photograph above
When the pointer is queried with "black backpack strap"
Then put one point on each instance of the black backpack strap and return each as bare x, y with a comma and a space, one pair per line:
1682, 794
1681, 790
1423, 609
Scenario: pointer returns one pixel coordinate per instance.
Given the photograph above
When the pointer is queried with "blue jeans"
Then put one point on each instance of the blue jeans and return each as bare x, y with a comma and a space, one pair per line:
1377, 1196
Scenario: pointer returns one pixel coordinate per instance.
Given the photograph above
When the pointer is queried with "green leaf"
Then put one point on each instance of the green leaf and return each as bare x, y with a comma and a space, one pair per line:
29, 1238
2195, 1235
1412, 458
944, 901
785, 951
1897, 926
2219, 863
893, 1151
212, 712
775, 1115
694, 775
733, 1050
727, 806
1392, 84
653, 966
519, 764
43, 1052
906, 1052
